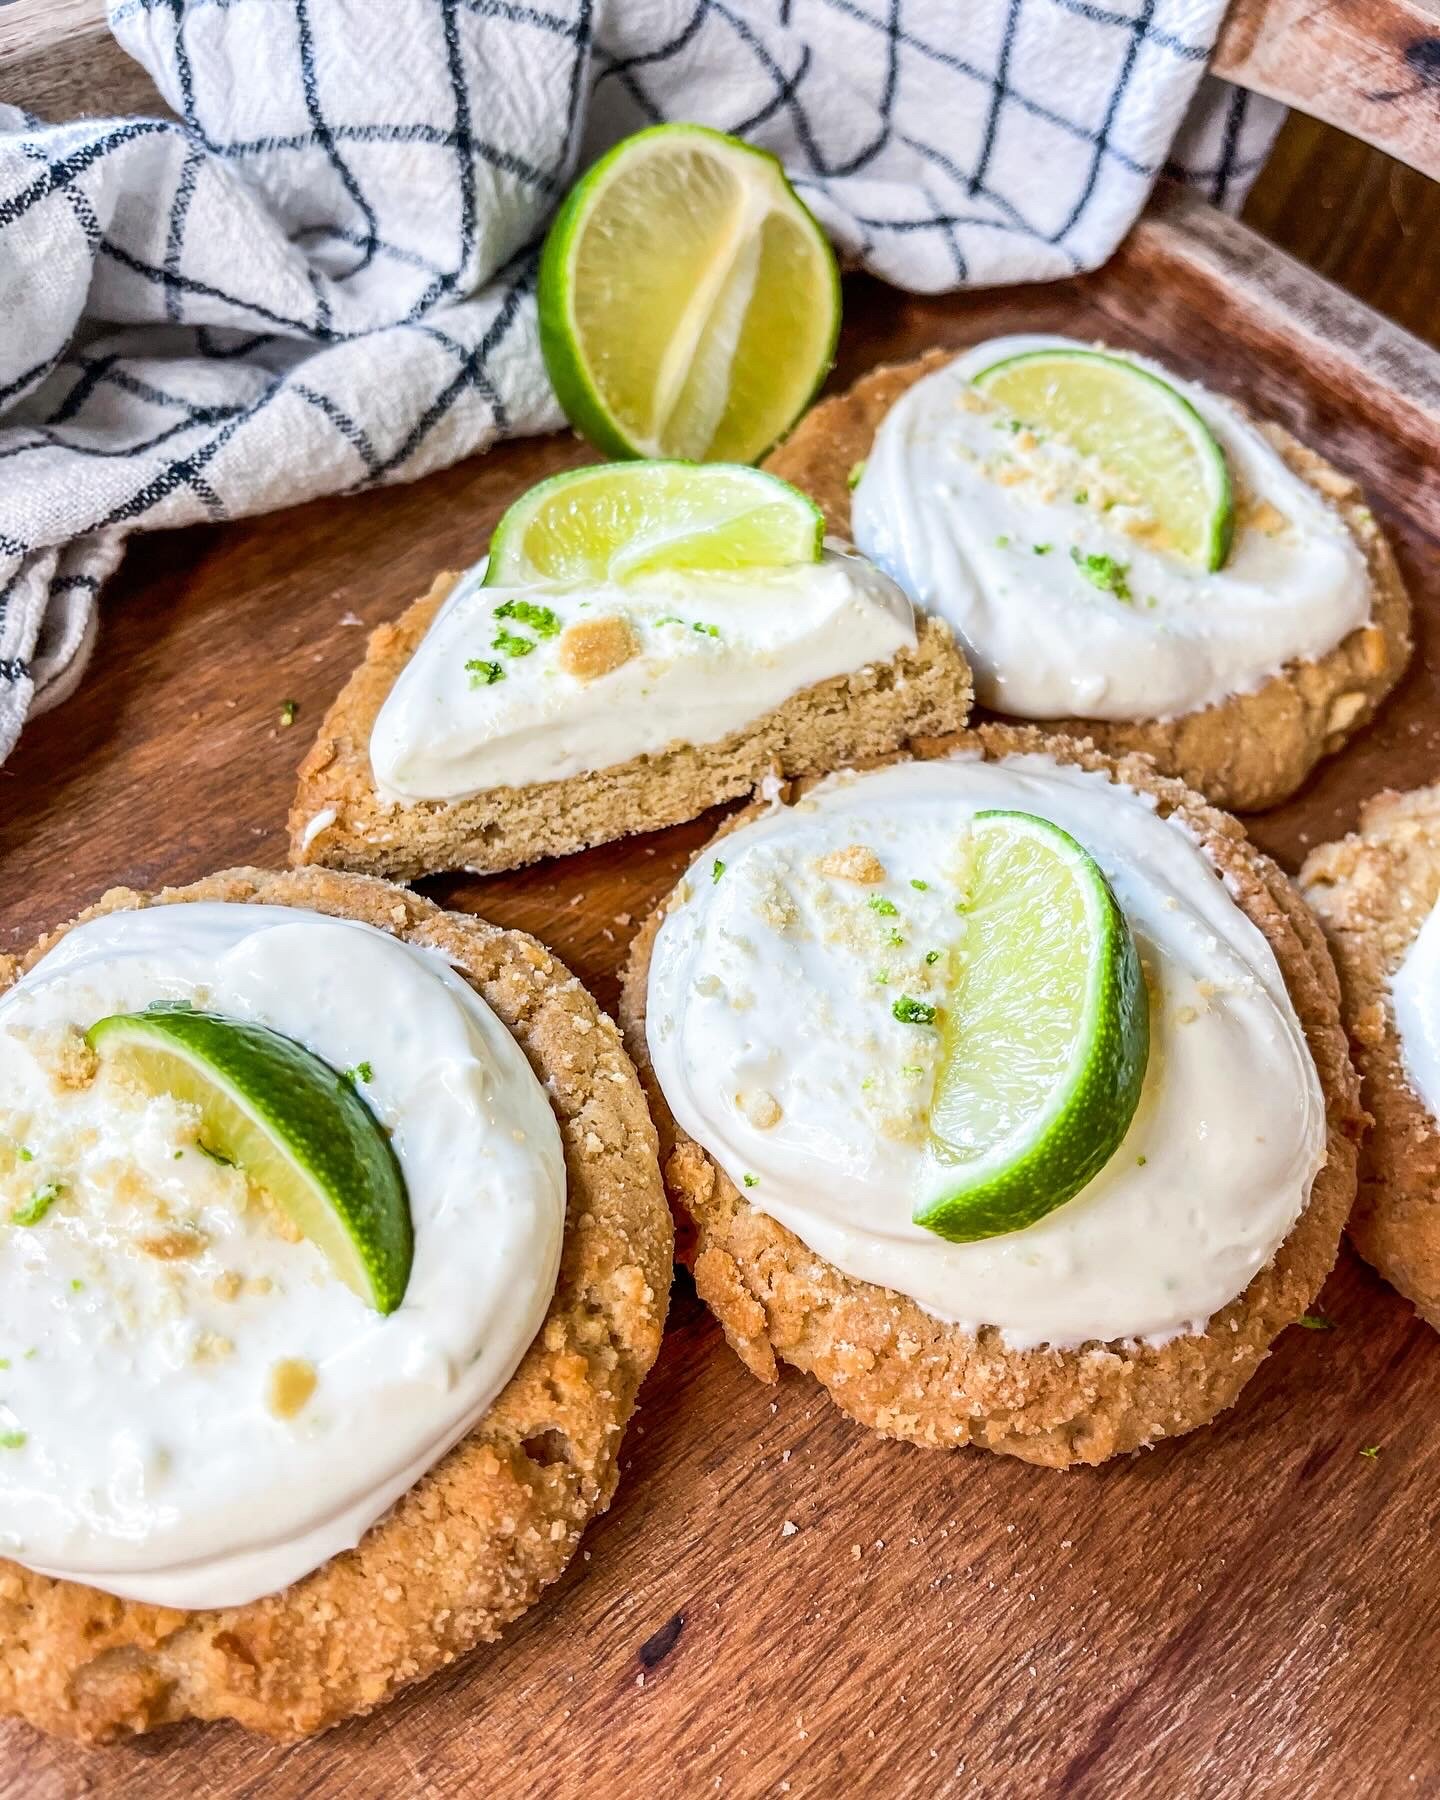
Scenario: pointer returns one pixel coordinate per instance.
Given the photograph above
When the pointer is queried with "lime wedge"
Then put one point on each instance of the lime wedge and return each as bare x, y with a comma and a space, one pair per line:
616, 520
290, 1123
1139, 428
1044, 1036
689, 304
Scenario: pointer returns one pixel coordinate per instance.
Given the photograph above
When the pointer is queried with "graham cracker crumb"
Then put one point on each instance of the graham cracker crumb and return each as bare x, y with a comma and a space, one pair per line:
594, 647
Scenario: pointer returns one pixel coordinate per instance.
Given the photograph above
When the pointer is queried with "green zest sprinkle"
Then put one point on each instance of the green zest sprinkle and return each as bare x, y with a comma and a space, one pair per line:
852, 480
867, 1084
1315, 1322
1081, 496
670, 619
708, 630
1002, 543
882, 976
30, 1355
39, 1203
484, 674
24, 1154
895, 939
717, 869
1103, 572
911, 1071
511, 645
1371, 1450
879, 904
362, 1071
77, 1286
13, 1440
751, 1180
1140, 1161
932, 956
1042, 549
4, 1362
913, 1012
288, 710
540, 619
919, 886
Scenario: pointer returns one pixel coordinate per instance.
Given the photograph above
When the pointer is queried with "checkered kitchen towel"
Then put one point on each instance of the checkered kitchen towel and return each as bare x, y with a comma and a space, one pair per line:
322, 276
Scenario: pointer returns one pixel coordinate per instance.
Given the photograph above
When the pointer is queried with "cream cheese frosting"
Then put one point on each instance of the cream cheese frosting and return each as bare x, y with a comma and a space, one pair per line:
770, 1027
1415, 1000
194, 1411
612, 672
978, 522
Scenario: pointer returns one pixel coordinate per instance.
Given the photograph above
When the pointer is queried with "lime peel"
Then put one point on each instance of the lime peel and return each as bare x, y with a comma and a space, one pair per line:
617, 521
1139, 427
290, 1123
689, 303
1045, 1034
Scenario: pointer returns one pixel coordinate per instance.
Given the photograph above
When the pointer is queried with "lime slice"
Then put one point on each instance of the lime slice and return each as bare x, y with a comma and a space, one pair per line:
689, 304
1139, 428
1044, 1036
290, 1123
616, 520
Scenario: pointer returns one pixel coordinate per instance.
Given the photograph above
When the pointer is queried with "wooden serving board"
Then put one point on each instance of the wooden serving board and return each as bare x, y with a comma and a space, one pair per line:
1252, 1610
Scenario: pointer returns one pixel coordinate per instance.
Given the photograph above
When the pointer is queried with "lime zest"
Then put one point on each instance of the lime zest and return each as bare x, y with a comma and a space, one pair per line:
910, 1011
541, 620
33, 1210
1104, 572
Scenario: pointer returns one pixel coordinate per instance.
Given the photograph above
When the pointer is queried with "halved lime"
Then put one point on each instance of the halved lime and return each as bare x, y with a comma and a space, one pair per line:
689, 303
1044, 1037
620, 519
1138, 427
290, 1123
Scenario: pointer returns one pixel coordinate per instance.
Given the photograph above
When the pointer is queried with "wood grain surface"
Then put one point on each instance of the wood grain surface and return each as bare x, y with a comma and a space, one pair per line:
1248, 1611
1372, 67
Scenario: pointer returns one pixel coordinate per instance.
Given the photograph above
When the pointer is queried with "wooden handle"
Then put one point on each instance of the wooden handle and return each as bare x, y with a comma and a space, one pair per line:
1371, 67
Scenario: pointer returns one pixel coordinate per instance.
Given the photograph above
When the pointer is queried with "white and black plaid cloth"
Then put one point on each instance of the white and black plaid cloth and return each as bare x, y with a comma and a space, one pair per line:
321, 277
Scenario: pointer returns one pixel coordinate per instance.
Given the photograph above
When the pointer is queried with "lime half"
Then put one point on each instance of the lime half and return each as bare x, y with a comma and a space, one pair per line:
621, 519
1045, 1033
689, 304
1139, 428
290, 1124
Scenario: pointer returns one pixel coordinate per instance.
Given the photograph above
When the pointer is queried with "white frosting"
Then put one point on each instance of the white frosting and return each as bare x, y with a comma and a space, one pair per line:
955, 506
774, 1042
715, 652
152, 1465
1415, 997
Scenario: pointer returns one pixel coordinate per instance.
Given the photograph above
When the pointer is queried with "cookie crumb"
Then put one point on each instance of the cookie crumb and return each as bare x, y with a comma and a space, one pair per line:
594, 647
856, 862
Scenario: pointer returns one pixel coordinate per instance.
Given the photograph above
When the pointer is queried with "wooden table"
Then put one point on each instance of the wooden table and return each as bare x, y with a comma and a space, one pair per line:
1249, 1611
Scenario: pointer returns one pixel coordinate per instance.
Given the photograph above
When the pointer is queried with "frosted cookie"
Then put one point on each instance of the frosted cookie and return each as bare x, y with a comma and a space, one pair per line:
618, 674
1148, 566
273, 1450
848, 1026
1377, 893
